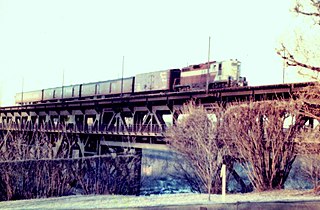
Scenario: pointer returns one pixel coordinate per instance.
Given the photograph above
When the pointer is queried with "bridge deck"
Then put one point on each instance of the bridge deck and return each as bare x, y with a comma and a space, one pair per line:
226, 94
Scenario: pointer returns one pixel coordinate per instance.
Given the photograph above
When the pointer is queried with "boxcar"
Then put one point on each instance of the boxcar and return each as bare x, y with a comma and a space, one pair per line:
71, 91
159, 80
28, 97
107, 87
103, 88
52, 94
89, 89
127, 87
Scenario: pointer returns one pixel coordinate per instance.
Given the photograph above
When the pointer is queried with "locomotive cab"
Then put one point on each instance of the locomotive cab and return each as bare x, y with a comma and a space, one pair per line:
227, 70
228, 75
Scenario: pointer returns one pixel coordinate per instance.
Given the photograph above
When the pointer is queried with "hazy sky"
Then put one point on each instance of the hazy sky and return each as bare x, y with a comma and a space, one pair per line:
39, 39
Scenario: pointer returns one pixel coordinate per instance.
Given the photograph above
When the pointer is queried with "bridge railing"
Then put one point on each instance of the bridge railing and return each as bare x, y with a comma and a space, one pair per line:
134, 129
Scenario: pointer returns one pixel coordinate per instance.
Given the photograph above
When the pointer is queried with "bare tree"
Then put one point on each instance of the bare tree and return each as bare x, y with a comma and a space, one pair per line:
305, 56
303, 53
309, 139
262, 135
196, 137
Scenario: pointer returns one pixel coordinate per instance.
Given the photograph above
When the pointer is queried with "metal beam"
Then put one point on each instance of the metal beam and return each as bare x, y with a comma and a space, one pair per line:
161, 147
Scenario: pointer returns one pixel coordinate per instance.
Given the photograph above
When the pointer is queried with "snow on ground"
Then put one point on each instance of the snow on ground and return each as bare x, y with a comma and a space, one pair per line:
117, 201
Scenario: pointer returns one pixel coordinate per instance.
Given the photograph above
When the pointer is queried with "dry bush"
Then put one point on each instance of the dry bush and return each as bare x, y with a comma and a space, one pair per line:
196, 138
23, 145
310, 165
38, 164
309, 151
262, 135
185, 172
309, 139
309, 97
58, 177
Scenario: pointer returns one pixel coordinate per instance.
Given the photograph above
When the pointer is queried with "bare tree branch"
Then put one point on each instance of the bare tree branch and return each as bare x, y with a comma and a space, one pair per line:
291, 61
309, 97
314, 3
305, 55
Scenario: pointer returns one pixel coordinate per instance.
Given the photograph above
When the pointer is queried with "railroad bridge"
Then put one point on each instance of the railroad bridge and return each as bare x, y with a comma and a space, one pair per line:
137, 121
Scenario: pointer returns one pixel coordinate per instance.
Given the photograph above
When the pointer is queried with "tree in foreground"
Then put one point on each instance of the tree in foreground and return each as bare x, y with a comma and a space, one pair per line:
309, 152
303, 52
262, 135
196, 138
309, 139
309, 97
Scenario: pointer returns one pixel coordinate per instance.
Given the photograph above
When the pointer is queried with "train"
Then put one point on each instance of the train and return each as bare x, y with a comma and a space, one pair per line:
211, 75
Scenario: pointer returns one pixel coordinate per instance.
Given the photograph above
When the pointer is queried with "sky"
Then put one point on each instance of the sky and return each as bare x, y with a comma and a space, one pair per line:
44, 43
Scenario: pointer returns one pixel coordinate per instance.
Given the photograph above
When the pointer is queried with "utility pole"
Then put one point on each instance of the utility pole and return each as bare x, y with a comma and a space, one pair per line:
208, 70
22, 84
62, 84
122, 75
284, 66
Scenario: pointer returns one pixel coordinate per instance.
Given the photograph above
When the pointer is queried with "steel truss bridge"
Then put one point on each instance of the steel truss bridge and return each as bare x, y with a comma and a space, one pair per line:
137, 121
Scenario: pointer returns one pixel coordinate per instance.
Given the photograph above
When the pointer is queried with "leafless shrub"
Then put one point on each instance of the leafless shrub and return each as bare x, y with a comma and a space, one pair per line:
24, 145
309, 150
309, 97
308, 139
57, 177
262, 135
186, 173
196, 137
38, 164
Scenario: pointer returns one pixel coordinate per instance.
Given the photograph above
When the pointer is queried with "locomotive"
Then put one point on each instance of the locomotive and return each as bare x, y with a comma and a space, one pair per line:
193, 77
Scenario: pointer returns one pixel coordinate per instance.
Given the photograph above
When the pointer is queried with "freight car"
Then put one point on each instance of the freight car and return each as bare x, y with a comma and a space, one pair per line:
28, 97
110, 87
215, 74
78, 91
156, 81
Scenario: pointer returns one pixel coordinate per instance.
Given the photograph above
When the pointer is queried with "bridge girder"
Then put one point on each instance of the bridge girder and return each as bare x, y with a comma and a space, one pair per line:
139, 118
